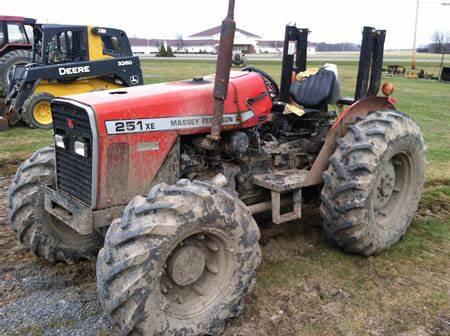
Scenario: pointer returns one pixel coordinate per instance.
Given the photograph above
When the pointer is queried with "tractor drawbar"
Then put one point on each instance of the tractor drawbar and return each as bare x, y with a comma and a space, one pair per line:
224, 58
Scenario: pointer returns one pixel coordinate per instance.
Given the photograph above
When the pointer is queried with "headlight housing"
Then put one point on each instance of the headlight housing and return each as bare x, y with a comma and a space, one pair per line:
59, 141
81, 148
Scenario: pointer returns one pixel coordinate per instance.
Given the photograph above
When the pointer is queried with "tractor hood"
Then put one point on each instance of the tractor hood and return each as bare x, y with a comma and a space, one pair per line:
180, 103
126, 135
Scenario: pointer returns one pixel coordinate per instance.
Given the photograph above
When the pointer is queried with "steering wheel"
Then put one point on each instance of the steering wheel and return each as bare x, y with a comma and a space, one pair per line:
272, 86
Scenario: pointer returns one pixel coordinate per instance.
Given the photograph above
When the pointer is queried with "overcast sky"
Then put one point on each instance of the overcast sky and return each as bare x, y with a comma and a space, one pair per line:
329, 20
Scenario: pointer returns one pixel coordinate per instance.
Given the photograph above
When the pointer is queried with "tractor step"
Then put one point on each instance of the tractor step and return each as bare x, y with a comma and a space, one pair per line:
282, 182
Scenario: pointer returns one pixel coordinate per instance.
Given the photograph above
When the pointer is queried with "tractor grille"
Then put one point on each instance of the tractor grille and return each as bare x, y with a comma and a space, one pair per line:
73, 172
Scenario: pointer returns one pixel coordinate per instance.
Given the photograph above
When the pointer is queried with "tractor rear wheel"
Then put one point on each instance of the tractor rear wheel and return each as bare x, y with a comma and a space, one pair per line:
179, 262
7, 61
36, 110
36, 229
374, 182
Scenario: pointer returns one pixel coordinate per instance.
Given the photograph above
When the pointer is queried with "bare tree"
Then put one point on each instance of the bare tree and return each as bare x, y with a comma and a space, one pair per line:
438, 39
180, 41
441, 40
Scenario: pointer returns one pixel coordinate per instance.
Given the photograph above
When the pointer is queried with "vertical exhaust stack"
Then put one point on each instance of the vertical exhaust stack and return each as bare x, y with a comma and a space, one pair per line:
223, 68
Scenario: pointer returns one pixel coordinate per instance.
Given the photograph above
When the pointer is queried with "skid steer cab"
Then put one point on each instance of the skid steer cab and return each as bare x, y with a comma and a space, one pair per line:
164, 181
68, 60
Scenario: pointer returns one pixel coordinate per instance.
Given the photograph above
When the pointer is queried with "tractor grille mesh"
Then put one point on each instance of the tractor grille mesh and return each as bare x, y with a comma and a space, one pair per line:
73, 172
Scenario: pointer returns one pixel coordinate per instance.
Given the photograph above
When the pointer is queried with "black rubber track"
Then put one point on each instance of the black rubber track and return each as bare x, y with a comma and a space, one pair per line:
136, 247
349, 183
35, 228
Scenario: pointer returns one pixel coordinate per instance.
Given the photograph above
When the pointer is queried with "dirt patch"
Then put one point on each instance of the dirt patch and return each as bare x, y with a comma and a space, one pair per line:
436, 200
9, 167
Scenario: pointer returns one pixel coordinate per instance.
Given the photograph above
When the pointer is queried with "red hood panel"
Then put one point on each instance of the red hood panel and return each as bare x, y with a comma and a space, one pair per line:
130, 159
183, 98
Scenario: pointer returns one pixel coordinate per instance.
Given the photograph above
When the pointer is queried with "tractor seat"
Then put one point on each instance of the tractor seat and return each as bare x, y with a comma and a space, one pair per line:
315, 91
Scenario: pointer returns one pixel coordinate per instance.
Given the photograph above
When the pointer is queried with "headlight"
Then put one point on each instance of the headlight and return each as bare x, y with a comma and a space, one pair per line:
81, 148
59, 141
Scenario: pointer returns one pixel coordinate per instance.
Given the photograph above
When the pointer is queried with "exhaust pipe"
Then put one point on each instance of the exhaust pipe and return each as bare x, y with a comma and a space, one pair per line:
223, 68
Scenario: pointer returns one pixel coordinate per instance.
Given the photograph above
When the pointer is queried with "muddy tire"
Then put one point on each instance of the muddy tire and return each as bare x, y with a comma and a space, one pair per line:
7, 61
179, 262
37, 230
374, 182
36, 111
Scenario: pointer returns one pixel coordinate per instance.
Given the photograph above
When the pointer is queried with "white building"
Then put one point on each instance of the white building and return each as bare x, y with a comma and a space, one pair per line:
207, 41
276, 47
243, 40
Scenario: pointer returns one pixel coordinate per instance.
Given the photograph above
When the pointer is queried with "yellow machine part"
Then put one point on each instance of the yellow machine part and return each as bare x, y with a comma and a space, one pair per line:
412, 74
95, 46
79, 86
42, 112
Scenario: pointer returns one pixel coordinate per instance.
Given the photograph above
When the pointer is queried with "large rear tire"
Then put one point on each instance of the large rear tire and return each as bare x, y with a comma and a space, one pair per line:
37, 230
179, 262
7, 61
374, 182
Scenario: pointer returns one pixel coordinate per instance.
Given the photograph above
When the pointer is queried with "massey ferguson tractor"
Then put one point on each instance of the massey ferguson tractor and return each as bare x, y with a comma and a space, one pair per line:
164, 181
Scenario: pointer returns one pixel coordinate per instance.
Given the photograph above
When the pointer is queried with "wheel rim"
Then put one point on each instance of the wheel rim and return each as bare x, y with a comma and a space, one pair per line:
196, 275
42, 113
392, 189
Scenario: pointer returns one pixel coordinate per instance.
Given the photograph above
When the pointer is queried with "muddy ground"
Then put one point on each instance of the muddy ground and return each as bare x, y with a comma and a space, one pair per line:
305, 287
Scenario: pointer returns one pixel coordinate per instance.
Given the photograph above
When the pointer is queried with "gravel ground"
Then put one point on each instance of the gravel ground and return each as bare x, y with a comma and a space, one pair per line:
41, 299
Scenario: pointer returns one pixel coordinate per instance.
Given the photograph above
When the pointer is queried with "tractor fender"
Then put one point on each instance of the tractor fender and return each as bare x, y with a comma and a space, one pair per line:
359, 109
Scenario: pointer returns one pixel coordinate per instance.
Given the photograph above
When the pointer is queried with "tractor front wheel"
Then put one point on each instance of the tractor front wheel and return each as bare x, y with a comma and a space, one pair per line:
36, 229
374, 182
179, 262
36, 110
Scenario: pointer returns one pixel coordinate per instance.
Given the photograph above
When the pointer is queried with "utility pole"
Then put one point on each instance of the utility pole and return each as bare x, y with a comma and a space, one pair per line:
445, 40
414, 56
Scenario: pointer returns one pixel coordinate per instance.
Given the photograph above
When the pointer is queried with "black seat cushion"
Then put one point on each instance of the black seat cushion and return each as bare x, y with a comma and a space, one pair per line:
314, 91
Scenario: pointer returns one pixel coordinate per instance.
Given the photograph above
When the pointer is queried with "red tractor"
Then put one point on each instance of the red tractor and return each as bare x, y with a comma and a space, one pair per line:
16, 40
164, 181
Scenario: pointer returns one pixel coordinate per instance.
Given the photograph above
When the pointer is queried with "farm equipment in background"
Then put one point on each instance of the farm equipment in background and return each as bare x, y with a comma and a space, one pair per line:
420, 74
239, 59
16, 39
68, 60
165, 179
396, 70
445, 74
